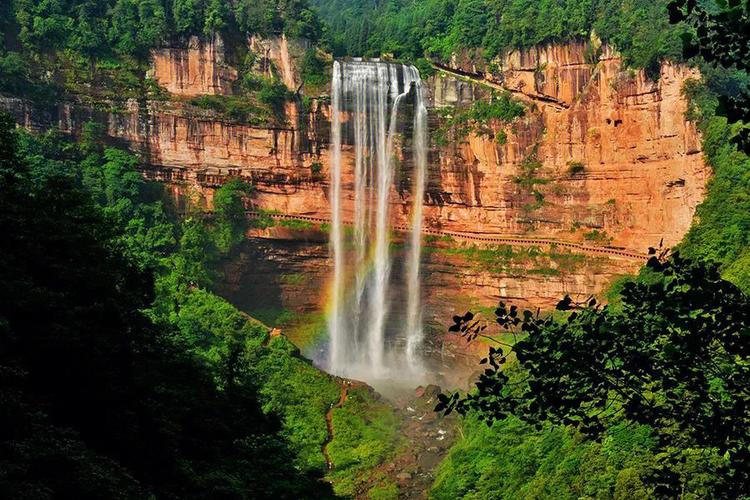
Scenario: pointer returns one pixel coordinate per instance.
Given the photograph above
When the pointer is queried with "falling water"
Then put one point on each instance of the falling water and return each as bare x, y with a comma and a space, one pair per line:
414, 312
335, 326
367, 97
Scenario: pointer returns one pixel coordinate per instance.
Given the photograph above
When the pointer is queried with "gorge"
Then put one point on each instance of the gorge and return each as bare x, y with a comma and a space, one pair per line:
602, 157
297, 215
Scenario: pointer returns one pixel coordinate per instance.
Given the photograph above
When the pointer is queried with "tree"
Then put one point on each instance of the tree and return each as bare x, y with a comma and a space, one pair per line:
674, 355
229, 210
98, 399
187, 16
153, 24
216, 17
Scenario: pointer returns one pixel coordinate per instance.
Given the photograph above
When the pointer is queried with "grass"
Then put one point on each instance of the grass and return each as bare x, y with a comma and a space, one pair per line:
506, 259
366, 435
301, 394
509, 459
234, 108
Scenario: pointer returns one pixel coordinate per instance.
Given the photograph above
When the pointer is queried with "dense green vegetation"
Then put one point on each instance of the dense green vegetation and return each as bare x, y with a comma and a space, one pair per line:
510, 459
123, 374
722, 229
456, 124
671, 356
366, 436
720, 35
98, 50
103, 394
132, 27
411, 29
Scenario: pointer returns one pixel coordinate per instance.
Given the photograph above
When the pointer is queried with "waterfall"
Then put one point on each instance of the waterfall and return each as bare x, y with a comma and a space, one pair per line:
366, 102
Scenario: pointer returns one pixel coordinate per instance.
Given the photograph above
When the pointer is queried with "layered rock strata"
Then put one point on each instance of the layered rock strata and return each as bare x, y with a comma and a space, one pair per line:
608, 153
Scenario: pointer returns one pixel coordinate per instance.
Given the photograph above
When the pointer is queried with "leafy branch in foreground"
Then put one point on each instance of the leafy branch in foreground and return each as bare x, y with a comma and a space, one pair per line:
673, 356
722, 37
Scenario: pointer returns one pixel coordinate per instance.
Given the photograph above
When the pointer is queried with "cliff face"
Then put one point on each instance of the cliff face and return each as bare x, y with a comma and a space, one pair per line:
197, 69
283, 269
616, 152
617, 155
607, 152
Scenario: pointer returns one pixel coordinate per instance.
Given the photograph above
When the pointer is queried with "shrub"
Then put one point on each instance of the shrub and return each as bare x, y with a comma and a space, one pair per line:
315, 168
313, 70
575, 167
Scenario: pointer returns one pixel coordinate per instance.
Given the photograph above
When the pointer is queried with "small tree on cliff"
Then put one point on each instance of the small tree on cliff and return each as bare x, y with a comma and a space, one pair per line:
229, 208
673, 355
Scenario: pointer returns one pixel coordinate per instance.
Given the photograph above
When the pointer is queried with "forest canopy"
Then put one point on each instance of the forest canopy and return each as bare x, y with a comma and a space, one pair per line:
412, 29
132, 27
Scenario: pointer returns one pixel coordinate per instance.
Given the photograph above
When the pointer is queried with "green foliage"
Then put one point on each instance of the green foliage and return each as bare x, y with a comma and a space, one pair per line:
98, 50
212, 391
599, 237
366, 436
136, 26
313, 70
516, 261
425, 68
301, 394
440, 28
575, 167
316, 168
720, 232
720, 36
261, 102
235, 108
98, 399
672, 356
528, 179
229, 211
227, 342
297, 225
510, 459
17, 77
132, 27
388, 491
274, 94
480, 118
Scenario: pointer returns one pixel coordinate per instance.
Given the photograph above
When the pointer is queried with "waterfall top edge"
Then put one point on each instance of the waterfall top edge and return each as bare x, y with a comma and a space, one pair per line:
375, 61
375, 68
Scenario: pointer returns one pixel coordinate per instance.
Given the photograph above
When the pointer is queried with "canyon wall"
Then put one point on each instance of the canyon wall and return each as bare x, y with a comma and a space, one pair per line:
617, 155
278, 269
608, 152
198, 69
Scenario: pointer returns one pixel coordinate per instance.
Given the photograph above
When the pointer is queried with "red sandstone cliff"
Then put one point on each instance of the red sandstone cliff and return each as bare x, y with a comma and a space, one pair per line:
639, 170
617, 154
197, 69
639, 174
